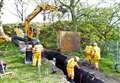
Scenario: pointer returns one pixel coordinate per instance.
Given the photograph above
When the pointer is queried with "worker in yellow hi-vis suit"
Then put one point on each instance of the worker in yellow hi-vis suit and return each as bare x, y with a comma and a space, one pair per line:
71, 63
30, 33
95, 55
19, 32
88, 50
37, 49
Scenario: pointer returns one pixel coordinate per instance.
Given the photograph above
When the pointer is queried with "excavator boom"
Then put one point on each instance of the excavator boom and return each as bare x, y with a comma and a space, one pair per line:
36, 11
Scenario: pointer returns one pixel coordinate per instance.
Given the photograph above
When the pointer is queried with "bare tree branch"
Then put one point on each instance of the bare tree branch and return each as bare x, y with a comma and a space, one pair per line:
77, 2
111, 18
113, 15
1, 4
20, 9
63, 4
72, 3
115, 21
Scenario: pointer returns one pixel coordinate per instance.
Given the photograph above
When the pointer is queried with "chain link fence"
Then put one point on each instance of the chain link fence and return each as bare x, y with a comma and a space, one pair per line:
111, 48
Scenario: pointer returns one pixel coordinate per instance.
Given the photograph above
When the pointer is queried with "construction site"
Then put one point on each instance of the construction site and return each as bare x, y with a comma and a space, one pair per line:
62, 41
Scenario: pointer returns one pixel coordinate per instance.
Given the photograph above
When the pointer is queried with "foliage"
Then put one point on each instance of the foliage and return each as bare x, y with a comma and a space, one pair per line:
9, 28
107, 67
48, 35
28, 74
25, 73
94, 25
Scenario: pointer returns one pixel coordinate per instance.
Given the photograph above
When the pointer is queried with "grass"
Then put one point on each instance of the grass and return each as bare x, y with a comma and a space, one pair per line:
28, 74
107, 67
25, 73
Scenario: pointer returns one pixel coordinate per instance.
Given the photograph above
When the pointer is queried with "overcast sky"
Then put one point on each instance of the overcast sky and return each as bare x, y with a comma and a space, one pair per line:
9, 11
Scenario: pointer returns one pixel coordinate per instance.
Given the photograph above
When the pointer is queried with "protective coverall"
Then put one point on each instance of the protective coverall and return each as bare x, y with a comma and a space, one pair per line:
88, 53
29, 54
70, 68
30, 33
37, 49
95, 56
19, 32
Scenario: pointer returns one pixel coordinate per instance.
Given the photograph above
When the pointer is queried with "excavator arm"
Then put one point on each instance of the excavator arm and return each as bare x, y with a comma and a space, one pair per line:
36, 11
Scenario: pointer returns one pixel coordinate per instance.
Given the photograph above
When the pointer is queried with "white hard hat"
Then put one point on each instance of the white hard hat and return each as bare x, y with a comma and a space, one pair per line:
77, 58
54, 59
94, 44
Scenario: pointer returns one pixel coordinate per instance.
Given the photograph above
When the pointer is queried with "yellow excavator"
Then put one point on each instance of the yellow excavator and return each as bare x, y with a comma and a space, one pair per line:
26, 24
36, 11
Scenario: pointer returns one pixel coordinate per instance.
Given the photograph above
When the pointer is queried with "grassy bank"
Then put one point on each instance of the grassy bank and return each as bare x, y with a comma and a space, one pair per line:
25, 73
29, 74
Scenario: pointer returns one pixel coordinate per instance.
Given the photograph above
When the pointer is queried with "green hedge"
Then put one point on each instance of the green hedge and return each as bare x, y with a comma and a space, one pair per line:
88, 33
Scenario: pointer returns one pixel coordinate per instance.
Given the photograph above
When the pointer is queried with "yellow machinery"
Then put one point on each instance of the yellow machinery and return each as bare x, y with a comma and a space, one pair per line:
36, 11
20, 36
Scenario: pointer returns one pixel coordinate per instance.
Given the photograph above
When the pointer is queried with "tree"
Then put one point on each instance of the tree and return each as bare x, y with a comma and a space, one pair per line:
69, 6
74, 8
20, 6
3, 36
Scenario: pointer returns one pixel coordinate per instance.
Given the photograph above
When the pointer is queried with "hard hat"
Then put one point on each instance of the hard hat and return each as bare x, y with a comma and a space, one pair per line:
77, 58
94, 44
54, 59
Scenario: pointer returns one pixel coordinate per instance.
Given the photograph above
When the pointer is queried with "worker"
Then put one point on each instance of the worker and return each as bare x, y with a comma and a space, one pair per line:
88, 54
22, 46
71, 63
2, 67
54, 69
53, 65
29, 54
37, 50
95, 55
19, 32
17, 36
30, 33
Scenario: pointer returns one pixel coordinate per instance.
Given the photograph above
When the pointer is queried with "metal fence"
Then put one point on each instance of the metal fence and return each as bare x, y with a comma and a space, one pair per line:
112, 48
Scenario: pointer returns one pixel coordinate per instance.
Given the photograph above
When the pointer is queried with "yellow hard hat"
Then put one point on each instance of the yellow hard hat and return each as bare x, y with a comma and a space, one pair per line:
15, 29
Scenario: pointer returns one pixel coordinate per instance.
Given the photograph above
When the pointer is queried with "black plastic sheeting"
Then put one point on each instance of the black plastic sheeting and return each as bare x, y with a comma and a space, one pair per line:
81, 76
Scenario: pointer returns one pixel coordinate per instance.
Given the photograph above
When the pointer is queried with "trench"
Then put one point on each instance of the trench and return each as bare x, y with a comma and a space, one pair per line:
81, 76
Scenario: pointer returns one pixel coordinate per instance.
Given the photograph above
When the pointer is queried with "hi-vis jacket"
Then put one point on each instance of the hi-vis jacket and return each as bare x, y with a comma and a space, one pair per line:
88, 50
70, 65
96, 53
37, 54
